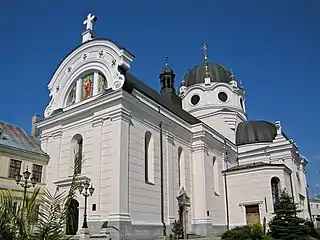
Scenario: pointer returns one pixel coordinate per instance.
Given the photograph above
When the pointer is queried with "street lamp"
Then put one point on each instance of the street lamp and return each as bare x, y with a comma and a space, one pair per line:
88, 191
25, 183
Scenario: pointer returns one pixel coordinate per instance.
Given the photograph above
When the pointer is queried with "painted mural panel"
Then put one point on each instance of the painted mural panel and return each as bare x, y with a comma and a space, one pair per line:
102, 82
87, 87
72, 95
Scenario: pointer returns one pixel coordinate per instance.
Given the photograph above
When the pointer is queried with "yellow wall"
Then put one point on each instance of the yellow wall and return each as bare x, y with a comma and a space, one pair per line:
7, 183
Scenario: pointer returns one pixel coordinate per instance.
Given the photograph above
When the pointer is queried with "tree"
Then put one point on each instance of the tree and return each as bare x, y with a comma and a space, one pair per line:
17, 220
286, 225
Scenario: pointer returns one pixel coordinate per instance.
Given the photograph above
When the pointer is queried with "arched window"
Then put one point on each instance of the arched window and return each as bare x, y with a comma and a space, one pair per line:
275, 189
148, 157
180, 165
77, 146
86, 86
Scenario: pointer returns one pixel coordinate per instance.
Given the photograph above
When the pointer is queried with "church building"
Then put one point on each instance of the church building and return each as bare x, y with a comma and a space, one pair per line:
187, 154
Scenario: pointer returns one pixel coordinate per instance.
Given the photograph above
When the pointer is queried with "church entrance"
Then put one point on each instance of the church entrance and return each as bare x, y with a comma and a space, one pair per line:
252, 214
72, 218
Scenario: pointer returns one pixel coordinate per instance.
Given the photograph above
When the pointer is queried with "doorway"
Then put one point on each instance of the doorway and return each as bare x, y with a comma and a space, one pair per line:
72, 218
252, 214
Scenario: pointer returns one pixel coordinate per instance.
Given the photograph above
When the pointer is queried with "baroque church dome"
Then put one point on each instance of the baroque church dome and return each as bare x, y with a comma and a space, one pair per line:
255, 132
217, 72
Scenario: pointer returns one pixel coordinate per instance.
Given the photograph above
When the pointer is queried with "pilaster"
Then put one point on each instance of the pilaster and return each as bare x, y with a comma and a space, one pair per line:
97, 124
120, 120
201, 223
171, 194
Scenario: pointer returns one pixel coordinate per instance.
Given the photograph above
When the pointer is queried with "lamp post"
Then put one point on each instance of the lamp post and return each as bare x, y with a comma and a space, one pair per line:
88, 191
25, 183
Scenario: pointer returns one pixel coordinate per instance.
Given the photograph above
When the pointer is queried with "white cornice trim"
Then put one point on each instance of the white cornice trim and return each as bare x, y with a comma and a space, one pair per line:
257, 168
107, 99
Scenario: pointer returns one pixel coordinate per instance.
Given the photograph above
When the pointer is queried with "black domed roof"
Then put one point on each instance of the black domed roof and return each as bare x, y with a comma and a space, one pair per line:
255, 132
217, 72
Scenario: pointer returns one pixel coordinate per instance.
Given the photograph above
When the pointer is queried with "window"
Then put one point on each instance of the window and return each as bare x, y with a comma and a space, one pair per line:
77, 148
223, 97
37, 172
14, 168
180, 165
275, 188
195, 99
148, 157
94, 207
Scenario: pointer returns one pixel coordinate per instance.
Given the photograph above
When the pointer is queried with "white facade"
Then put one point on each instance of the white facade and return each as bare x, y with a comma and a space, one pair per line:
315, 210
118, 122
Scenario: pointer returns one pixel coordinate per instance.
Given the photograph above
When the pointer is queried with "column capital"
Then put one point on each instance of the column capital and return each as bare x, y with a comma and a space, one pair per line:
57, 134
120, 114
169, 138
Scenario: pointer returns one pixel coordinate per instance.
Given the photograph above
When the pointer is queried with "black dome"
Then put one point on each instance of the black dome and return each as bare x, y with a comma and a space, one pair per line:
255, 132
217, 72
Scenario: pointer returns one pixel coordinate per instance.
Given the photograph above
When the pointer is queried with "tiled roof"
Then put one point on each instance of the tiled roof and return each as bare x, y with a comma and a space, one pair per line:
14, 137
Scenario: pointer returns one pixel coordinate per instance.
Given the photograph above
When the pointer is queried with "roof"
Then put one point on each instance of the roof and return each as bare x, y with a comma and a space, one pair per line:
255, 132
217, 72
14, 137
132, 82
253, 165
315, 198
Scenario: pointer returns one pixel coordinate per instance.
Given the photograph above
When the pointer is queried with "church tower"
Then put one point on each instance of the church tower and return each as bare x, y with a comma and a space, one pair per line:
167, 89
211, 93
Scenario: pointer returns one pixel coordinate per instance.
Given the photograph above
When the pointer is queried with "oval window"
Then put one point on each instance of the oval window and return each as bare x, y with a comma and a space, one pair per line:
223, 97
195, 99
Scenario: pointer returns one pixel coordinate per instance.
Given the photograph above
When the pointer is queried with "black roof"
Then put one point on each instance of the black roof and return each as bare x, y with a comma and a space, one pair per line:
132, 82
255, 132
217, 72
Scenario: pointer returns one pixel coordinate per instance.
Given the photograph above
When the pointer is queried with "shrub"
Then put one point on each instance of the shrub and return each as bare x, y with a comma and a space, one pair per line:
237, 233
254, 232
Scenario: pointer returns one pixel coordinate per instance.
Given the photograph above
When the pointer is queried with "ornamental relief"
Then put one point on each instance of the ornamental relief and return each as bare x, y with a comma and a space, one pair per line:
100, 65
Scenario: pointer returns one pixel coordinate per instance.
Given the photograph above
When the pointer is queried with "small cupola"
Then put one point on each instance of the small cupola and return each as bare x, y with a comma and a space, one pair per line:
167, 89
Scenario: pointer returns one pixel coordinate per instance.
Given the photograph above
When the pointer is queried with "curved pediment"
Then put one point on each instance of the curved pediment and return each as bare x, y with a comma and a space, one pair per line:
86, 72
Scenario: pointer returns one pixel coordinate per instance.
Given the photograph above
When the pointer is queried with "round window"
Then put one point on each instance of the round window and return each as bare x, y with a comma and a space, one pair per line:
223, 97
195, 99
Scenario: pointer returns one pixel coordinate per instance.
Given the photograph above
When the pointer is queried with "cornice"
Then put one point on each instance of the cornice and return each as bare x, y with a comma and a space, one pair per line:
105, 99
120, 114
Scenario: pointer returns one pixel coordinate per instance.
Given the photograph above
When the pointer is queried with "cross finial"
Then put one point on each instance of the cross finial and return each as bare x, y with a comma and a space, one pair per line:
166, 61
205, 51
89, 21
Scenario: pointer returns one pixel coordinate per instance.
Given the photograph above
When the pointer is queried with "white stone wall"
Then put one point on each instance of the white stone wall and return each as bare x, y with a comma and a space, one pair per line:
250, 187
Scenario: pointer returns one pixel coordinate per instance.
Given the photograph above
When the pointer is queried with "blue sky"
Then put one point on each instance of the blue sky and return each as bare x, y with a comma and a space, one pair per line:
271, 46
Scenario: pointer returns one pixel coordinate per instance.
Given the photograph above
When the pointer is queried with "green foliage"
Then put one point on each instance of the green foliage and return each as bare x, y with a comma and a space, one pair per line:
17, 219
237, 233
177, 230
286, 225
254, 232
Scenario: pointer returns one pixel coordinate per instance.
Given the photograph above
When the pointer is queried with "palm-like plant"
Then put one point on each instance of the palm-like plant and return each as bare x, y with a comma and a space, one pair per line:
17, 220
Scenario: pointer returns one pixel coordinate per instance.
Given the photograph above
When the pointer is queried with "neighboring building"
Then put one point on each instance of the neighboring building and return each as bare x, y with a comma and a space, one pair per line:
315, 210
141, 147
19, 152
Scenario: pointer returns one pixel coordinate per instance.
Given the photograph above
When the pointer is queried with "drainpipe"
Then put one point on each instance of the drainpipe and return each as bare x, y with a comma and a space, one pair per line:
161, 181
227, 201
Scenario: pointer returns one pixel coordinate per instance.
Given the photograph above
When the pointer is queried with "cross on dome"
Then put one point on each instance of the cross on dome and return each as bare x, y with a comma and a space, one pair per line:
205, 52
89, 21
